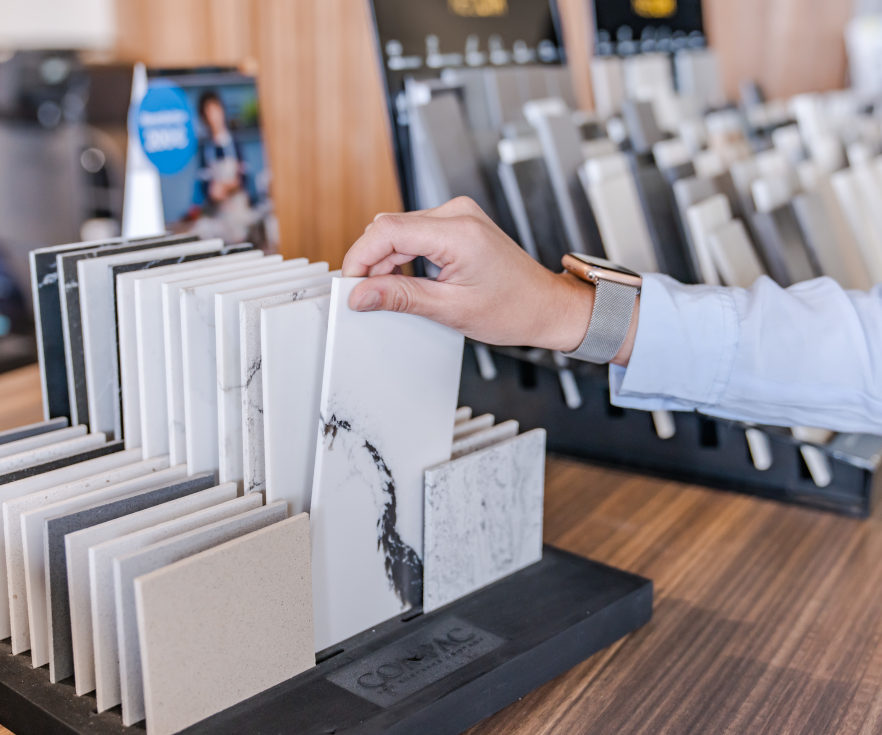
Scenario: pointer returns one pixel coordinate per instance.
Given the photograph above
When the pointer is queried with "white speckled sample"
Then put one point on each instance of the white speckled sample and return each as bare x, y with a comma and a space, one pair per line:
251, 380
225, 624
101, 556
127, 568
484, 438
470, 426
199, 347
483, 517
38, 455
228, 333
127, 328
389, 394
29, 549
99, 328
14, 616
77, 548
463, 413
174, 349
292, 358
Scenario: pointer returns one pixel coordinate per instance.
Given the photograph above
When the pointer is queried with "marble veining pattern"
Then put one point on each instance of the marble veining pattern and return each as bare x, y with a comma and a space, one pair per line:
483, 517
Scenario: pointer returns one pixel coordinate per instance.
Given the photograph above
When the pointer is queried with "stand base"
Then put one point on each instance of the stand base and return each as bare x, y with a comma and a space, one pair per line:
434, 674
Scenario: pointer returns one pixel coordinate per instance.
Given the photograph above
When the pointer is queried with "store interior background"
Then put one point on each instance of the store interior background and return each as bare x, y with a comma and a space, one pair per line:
321, 99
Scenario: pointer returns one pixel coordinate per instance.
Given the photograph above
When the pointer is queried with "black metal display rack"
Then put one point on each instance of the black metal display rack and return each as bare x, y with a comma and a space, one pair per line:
703, 450
436, 674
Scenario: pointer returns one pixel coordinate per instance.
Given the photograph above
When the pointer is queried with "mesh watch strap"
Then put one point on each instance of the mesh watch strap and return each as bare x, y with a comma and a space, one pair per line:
610, 320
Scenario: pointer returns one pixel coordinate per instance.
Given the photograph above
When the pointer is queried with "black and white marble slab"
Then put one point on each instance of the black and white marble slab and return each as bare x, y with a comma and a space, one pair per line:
388, 402
483, 517
25, 432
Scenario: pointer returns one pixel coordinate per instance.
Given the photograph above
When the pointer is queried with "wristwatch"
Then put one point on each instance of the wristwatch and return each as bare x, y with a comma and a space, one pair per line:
616, 290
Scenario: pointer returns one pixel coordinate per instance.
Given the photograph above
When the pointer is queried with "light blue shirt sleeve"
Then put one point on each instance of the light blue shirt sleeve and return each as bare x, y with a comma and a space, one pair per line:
808, 355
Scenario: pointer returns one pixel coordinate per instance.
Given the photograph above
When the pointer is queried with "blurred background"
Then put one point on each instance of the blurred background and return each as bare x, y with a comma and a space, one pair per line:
66, 76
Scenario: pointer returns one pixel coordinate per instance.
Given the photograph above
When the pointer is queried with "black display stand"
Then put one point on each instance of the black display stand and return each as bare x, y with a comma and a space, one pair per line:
433, 674
704, 450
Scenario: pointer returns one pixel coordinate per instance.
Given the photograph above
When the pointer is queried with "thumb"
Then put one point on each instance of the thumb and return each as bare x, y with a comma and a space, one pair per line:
405, 294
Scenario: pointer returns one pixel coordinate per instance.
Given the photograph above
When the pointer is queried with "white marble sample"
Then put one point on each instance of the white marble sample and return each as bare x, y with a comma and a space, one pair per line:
463, 413
14, 615
127, 330
31, 518
292, 343
620, 219
131, 566
48, 452
173, 347
470, 426
733, 254
101, 556
251, 381
41, 440
484, 438
225, 624
389, 393
702, 219
228, 331
96, 288
483, 517
77, 546
199, 347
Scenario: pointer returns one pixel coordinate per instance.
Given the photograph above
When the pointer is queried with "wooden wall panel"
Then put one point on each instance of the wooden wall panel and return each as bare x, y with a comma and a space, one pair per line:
321, 94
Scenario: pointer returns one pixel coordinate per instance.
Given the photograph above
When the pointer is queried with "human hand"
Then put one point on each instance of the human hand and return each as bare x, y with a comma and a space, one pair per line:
489, 289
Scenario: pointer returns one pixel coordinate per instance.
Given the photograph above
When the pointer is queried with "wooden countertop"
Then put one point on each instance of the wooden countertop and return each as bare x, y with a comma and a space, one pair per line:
768, 617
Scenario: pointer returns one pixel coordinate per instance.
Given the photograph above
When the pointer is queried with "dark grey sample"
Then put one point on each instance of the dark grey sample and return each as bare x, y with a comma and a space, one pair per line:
531, 200
68, 285
782, 247
643, 129
24, 432
665, 229
48, 322
57, 464
57, 528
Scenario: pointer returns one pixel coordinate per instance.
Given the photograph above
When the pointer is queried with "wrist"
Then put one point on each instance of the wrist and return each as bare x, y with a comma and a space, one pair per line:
565, 324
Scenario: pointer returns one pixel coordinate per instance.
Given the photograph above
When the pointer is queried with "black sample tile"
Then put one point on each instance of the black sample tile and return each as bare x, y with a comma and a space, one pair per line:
48, 318
57, 464
665, 229
531, 199
781, 244
56, 557
24, 432
68, 285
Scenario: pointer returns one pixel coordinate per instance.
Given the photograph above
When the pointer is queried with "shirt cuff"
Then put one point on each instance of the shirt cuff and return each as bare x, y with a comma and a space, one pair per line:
679, 327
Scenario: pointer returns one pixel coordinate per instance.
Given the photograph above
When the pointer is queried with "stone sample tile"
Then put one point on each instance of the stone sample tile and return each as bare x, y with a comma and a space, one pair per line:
127, 328
228, 331
292, 345
153, 383
28, 514
131, 566
101, 556
14, 616
483, 517
484, 438
77, 546
702, 219
225, 624
41, 440
39, 455
470, 426
388, 401
40, 427
67, 461
463, 413
56, 527
733, 254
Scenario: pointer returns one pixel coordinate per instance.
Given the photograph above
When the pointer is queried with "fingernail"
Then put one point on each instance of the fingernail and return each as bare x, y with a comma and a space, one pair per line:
369, 301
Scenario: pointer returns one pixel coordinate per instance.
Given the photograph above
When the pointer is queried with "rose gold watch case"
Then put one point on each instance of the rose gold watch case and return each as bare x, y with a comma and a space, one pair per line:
592, 270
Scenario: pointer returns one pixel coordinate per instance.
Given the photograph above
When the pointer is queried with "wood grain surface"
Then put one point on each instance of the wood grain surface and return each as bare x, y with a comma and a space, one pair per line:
768, 617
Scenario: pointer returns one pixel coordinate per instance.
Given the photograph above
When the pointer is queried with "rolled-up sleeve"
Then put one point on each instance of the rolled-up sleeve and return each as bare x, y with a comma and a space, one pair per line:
807, 355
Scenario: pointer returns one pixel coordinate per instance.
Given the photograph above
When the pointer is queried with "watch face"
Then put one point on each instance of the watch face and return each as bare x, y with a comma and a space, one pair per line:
604, 264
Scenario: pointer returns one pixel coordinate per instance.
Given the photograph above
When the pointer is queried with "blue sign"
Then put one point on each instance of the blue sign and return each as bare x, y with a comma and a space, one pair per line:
165, 127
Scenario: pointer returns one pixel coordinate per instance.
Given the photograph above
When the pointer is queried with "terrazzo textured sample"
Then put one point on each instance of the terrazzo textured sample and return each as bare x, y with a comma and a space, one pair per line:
483, 517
